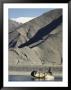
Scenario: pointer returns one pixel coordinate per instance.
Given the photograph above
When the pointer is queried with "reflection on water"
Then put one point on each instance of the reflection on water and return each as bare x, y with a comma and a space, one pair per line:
28, 78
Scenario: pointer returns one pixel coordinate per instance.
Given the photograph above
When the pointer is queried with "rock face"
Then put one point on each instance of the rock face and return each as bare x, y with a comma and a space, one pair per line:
25, 56
37, 42
13, 34
13, 25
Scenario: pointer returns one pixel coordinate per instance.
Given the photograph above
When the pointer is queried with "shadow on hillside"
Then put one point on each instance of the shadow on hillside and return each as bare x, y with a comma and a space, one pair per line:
43, 32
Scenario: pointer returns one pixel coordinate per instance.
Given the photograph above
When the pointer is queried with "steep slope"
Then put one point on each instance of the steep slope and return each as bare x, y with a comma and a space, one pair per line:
39, 40
36, 24
13, 25
13, 34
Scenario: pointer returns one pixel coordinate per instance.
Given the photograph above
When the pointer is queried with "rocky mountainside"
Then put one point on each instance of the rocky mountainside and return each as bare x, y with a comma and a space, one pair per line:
13, 25
13, 34
37, 42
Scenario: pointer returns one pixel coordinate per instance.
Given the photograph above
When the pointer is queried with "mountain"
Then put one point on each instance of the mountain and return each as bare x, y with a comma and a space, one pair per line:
38, 41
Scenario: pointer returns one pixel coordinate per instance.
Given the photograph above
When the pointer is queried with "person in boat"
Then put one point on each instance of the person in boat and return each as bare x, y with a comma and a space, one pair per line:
49, 71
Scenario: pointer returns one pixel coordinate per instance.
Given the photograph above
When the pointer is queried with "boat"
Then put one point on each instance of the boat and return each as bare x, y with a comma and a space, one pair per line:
41, 75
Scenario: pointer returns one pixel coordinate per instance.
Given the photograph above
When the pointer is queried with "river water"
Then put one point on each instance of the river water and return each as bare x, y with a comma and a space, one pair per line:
28, 78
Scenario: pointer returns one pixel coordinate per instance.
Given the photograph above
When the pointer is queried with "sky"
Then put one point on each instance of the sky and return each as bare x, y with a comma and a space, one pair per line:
27, 12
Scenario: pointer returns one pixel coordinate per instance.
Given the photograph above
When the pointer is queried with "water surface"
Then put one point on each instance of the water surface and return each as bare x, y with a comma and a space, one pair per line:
28, 78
